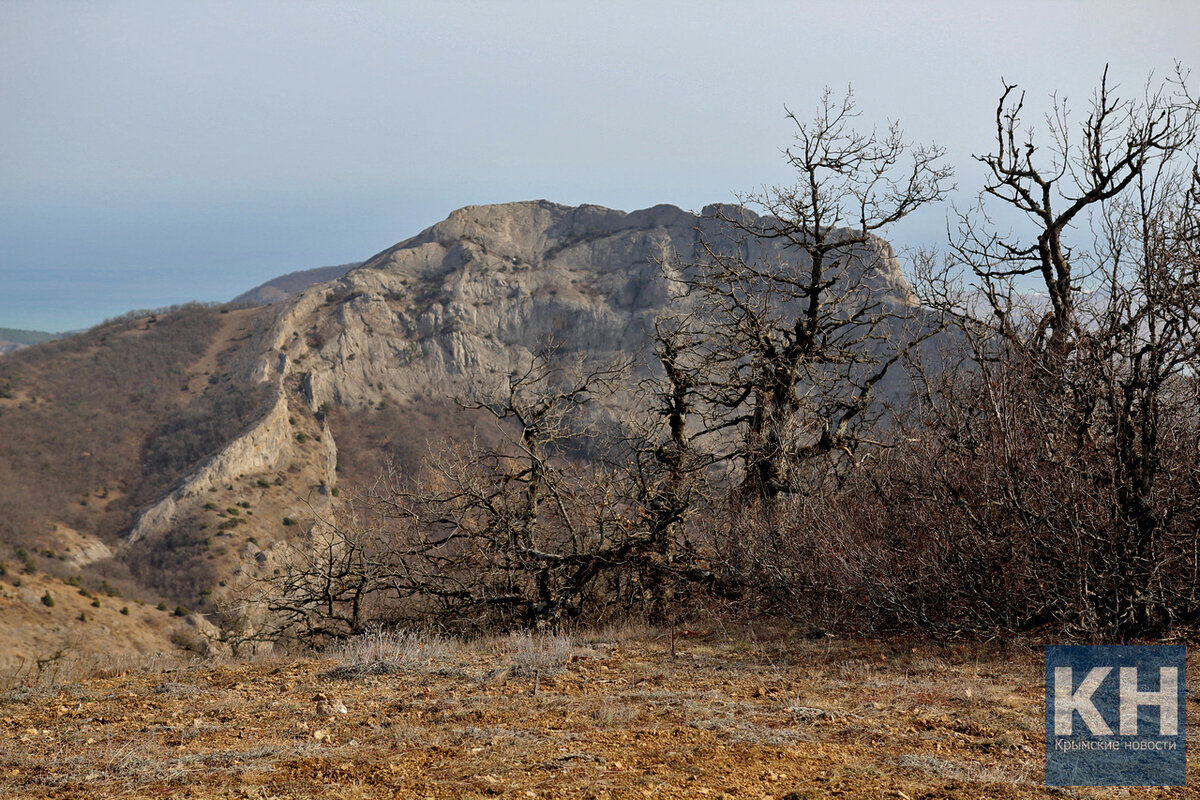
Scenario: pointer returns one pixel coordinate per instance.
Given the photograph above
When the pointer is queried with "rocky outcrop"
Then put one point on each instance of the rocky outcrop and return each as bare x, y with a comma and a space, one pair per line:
267, 445
461, 304
79, 549
474, 295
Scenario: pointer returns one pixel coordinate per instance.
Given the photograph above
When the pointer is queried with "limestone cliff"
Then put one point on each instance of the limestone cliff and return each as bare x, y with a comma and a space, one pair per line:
474, 295
465, 301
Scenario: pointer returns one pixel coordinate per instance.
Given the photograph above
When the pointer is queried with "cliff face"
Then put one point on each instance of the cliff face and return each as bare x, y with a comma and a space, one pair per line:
474, 295
464, 302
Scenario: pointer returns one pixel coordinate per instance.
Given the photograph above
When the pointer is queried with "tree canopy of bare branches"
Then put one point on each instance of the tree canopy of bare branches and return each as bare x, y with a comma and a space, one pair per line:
1047, 476
1085, 344
797, 343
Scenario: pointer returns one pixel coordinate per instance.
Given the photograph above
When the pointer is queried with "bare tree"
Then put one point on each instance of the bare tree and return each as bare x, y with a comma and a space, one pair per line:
516, 533
668, 451
332, 585
535, 529
805, 320
1054, 187
1085, 343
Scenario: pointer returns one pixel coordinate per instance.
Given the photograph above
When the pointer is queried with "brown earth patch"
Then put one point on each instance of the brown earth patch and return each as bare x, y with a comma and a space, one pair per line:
604, 716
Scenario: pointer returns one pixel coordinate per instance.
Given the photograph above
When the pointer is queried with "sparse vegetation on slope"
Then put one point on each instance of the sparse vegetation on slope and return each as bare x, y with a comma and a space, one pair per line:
81, 407
94, 425
740, 714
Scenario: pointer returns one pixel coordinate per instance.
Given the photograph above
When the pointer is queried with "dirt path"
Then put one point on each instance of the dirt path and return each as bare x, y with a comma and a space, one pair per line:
234, 324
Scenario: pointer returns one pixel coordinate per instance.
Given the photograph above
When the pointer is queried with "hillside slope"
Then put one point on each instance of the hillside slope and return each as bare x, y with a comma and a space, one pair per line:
15, 339
198, 445
285, 286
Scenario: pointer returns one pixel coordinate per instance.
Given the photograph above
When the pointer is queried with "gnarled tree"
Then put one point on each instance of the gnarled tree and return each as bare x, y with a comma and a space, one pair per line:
798, 343
1084, 320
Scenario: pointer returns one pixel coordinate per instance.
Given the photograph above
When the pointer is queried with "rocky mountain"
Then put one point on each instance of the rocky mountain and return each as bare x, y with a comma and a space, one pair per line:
476, 294
280, 406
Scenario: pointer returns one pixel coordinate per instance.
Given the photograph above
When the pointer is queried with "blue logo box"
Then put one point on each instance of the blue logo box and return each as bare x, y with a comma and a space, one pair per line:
1115, 716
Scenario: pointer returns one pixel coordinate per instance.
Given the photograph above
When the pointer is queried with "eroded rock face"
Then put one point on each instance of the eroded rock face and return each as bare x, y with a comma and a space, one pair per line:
461, 304
474, 295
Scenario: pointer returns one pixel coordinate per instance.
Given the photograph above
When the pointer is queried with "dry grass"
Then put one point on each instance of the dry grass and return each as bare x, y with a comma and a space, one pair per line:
101, 422
71, 666
388, 652
602, 716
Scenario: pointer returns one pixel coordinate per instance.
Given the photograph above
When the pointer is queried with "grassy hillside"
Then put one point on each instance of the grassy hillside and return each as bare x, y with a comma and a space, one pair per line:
94, 425
55, 628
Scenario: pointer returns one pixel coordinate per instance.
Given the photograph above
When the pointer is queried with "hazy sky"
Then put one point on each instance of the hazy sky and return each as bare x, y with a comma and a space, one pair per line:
162, 151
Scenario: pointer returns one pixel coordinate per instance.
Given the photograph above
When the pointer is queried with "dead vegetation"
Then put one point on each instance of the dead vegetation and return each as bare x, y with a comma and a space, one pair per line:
94, 425
735, 714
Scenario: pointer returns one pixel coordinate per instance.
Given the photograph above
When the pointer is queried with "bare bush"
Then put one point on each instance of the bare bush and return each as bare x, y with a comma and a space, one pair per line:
1045, 477
533, 531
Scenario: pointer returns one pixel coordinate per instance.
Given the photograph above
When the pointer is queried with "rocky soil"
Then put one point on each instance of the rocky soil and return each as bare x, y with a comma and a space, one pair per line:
761, 714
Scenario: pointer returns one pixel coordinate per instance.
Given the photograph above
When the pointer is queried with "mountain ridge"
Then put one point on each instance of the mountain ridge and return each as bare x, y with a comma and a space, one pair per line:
284, 286
375, 356
13, 339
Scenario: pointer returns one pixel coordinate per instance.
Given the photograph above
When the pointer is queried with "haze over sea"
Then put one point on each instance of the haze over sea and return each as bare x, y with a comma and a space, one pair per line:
155, 153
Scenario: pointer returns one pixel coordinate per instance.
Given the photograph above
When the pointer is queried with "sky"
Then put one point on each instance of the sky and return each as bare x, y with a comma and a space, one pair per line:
156, 152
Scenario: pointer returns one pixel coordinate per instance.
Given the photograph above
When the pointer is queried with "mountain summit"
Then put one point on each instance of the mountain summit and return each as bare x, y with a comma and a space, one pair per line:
260, 413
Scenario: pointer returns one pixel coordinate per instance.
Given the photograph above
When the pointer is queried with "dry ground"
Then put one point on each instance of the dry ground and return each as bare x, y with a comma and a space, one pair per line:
729, 714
